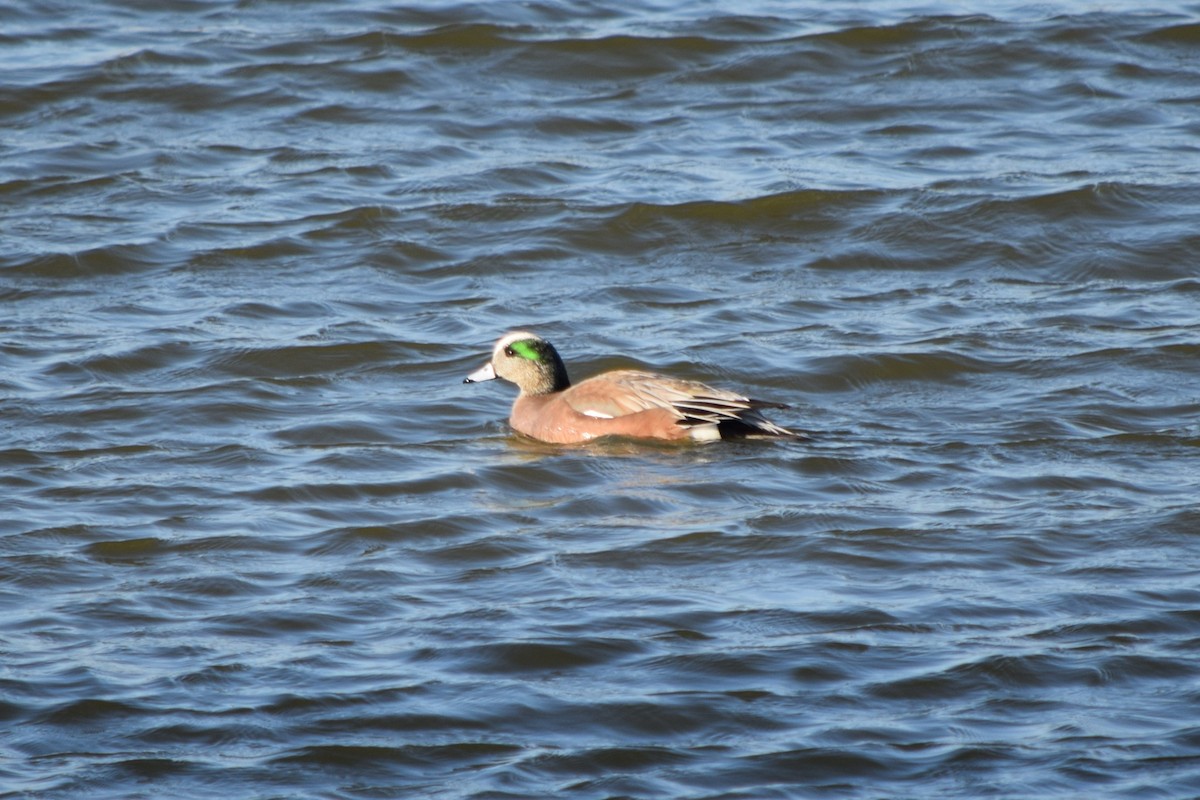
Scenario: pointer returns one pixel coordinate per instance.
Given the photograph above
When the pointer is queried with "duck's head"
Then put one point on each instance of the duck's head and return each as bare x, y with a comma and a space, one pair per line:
527, 360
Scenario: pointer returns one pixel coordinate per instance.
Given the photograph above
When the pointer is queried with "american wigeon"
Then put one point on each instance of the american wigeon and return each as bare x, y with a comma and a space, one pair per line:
621, 403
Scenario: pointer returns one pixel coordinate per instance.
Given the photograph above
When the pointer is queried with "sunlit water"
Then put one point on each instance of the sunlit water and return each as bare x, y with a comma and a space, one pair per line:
258, 539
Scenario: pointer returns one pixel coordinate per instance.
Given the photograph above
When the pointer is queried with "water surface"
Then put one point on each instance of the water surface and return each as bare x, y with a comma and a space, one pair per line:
258, 540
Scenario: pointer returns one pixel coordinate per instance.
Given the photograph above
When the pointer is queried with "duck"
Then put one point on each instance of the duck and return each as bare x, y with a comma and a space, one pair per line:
622, 403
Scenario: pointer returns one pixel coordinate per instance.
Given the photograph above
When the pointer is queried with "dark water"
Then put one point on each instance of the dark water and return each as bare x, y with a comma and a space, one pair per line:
259, 541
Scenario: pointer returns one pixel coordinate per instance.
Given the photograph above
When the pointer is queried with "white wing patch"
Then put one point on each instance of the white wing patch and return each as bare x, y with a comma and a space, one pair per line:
591, 412
705, 433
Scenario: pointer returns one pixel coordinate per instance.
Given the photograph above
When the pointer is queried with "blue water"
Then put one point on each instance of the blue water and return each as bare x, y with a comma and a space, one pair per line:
258, 540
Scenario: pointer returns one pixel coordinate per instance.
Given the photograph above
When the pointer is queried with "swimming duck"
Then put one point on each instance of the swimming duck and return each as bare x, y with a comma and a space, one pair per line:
628, 403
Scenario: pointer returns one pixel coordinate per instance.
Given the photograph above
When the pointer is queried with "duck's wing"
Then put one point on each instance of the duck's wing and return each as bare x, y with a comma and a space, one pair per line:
691, 403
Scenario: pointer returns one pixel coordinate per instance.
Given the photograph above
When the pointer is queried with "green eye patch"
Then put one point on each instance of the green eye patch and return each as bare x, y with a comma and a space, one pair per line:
526, 350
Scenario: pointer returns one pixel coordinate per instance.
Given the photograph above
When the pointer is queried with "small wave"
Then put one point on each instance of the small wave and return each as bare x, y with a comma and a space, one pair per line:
600, 761
542, 657
471, 37
788, 216
845, 767
935, 366
764, 210
423, 762
110, 260
90, 711
991, 674
1184, 34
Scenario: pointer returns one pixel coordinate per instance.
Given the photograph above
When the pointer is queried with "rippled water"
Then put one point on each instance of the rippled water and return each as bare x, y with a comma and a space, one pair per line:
258, 540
